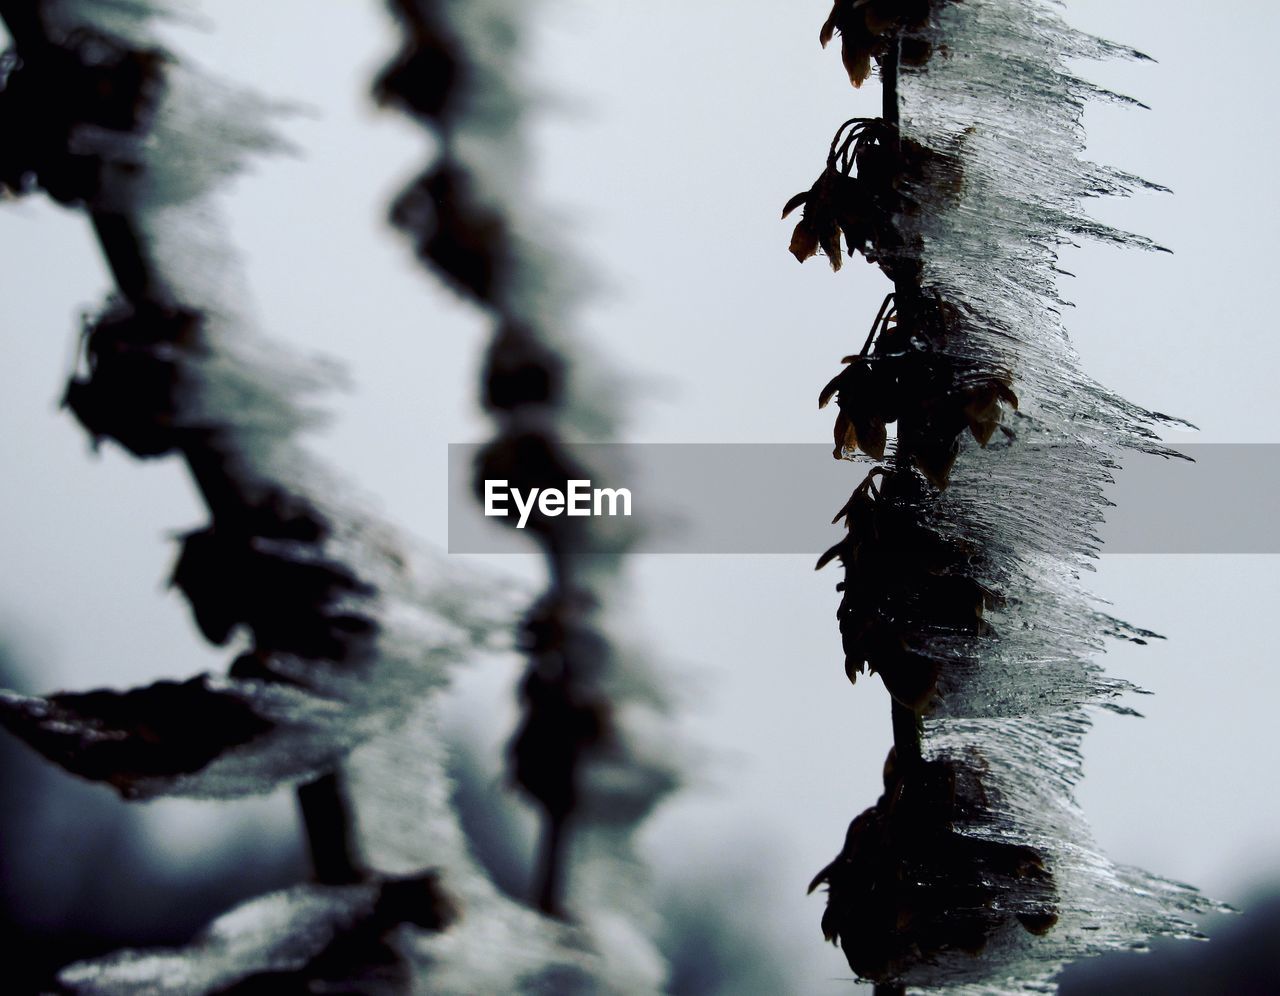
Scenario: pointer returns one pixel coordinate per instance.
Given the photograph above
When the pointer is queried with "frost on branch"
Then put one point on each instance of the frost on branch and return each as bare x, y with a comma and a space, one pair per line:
306, 939
593, 749
476, 939
338, 626
339, 641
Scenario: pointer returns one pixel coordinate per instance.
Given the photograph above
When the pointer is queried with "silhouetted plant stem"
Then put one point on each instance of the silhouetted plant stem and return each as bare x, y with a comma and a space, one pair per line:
906, 725
889, 89
549, 884
906, 733
466, 225
326, 817
123, 250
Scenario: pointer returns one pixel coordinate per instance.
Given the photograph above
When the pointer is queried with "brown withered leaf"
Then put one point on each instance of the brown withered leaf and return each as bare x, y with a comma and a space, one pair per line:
834, 205
984, 407
865, 392
857, 42
867, 26
845, 437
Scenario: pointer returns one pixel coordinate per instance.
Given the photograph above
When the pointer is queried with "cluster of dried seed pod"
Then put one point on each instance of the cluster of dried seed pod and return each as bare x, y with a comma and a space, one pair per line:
864, 187
904, 375
904, 372
133, 388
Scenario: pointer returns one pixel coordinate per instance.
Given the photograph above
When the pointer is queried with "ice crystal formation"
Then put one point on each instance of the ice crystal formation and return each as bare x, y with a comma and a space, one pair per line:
967, 540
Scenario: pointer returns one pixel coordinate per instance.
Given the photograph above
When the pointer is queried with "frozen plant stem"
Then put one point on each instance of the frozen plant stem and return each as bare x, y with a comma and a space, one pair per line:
326, 817
906, 725
974, 867
550, 881
475, 229
322, 803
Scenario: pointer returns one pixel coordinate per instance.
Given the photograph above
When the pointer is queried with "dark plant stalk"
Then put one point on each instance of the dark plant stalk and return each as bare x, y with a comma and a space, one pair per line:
123, 250
905, 722
326, 817
889, 86
467, 230
549, 877
981, 839
906, 733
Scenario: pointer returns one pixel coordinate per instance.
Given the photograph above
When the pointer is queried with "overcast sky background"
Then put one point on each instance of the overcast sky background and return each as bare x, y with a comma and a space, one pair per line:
669, 137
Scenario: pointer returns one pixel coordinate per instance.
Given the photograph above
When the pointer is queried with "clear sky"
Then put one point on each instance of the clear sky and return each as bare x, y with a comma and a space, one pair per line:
669, 136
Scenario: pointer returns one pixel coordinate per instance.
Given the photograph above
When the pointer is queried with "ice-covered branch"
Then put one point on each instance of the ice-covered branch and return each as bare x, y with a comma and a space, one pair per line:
587, 751
344, 631
965, 546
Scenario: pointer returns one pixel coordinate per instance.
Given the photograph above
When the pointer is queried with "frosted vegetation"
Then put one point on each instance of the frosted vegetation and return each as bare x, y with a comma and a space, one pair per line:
342, 674
1003, 185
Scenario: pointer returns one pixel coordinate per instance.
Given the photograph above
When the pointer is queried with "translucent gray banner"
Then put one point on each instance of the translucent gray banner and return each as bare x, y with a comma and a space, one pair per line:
761, 498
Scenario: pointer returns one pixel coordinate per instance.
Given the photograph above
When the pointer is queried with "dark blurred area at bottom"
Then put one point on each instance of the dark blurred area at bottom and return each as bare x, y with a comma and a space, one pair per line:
79, 875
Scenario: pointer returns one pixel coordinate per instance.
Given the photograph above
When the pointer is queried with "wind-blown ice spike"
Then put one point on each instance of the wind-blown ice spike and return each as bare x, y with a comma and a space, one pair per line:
964, 552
